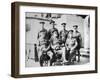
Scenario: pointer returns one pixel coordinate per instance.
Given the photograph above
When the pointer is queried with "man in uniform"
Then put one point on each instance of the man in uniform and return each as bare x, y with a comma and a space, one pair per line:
53, 36
63, 34
55, 47
77, 35
42, 33
70, 47
63, 37
42, 42
50, 33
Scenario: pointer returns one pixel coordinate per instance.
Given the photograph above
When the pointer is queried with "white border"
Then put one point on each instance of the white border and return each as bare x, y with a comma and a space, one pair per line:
36, 70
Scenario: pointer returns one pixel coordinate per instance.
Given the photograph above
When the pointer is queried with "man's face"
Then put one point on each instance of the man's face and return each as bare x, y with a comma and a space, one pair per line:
53, 25
42, 26
64, 26
70, 34
55, 34
75, 28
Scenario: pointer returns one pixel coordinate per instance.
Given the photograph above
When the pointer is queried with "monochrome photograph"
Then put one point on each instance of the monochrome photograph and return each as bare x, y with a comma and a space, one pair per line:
56, 39
53, 39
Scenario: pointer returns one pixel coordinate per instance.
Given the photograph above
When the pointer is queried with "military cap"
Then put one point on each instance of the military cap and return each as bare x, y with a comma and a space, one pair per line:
75, 26
42, 22
63, 23
70, 31
52, 22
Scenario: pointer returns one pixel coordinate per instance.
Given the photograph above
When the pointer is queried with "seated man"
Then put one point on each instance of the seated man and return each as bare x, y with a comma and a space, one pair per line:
54, 43
70, 47
77, 35
44, 57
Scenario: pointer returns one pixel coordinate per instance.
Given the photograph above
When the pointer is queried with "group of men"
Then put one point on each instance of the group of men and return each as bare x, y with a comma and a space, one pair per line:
54, 41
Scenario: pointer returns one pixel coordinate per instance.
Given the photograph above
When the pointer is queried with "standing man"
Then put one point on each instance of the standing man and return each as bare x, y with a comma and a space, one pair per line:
42, 42
63, 37
63, 34
42, 35
77, 35
50, 33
